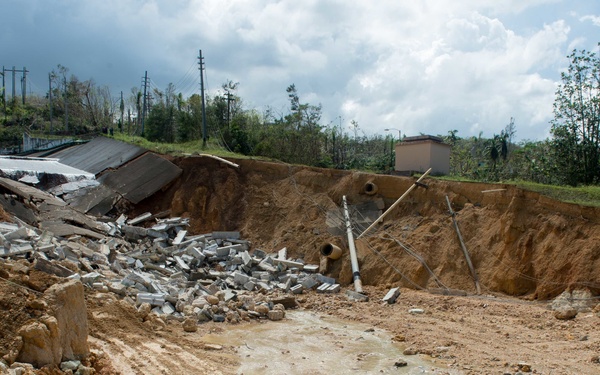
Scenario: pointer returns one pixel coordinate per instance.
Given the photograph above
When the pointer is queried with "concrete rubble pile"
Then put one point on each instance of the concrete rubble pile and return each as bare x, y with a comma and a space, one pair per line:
163, 270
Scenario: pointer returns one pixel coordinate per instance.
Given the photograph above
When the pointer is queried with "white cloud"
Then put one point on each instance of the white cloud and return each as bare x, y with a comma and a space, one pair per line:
595, 20
424, 66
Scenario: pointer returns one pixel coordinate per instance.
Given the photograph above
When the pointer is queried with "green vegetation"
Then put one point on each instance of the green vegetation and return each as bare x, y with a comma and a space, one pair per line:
167, 122
584, 195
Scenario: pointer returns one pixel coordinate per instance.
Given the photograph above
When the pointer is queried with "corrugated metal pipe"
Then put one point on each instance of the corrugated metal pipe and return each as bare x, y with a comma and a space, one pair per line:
331, 251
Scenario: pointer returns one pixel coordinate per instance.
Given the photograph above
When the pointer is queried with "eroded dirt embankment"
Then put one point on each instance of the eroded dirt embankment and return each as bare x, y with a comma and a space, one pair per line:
521, 243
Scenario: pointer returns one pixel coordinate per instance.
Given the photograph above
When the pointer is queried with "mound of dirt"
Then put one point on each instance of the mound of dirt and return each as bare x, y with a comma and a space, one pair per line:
521, 243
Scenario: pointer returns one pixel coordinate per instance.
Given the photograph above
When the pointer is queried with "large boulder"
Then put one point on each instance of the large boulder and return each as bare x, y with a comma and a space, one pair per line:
61, 334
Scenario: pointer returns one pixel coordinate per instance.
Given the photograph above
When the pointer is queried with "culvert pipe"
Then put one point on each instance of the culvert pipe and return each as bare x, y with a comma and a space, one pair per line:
331, 251
370, 188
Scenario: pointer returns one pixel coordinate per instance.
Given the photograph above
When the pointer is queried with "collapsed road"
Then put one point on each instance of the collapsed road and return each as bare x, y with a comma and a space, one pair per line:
161, 262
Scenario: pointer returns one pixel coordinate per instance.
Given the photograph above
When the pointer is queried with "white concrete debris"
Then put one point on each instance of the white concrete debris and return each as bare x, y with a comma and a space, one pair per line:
163, 267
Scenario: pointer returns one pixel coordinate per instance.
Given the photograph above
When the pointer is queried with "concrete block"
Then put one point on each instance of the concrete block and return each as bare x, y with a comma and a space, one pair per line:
259, 253
117, 288
289, 263
179, 238
266, 266
197, 253
168, 308
324, 279
224, 235
391, 295
181, 263
264, 286
323, 288
51, 268
335, 288
134, 232
297, 289
246, 258
312, 268
250, 285
154, 299
90, 278
282, 254
139, 219
225, 251
20, 233
355, 296
240, 278
309, 283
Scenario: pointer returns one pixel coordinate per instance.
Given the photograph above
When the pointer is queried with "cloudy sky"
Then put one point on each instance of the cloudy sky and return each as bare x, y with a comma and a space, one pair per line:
421, 66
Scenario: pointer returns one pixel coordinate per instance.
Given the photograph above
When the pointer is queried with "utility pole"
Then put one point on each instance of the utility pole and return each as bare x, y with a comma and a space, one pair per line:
201, 63
50, 98
13, 86
229, 100
145, 83
66, 105
3, 90
24, 85
122, 108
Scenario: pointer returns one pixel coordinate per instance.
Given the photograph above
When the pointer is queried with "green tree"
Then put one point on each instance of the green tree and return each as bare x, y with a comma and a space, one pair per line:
576, 123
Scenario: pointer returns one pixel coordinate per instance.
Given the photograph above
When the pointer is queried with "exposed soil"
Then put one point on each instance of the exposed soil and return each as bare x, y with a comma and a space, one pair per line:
525, 248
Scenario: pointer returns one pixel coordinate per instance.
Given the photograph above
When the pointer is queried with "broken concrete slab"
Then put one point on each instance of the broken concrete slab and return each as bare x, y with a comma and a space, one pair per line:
391, 296
355, 296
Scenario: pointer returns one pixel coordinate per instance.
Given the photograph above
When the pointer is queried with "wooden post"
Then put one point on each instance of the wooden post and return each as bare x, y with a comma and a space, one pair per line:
395, 204
464, 248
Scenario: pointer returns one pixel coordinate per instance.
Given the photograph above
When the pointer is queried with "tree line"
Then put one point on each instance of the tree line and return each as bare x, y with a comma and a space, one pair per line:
571, 156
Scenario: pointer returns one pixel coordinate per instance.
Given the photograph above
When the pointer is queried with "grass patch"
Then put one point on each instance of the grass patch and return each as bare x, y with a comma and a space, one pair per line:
583, 195
182, 149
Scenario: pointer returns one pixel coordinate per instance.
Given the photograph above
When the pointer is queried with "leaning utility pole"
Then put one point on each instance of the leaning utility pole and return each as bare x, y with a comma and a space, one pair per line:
201, 63
145, 83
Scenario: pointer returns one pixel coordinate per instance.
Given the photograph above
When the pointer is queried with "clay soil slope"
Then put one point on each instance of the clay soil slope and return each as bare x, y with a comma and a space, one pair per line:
521, 243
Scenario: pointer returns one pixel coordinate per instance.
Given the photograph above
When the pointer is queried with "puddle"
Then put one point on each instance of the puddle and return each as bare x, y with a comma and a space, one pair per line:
308, 343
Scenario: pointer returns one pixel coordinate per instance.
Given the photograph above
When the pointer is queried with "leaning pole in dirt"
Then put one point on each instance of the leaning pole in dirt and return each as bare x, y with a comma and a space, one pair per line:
464, 248
395, 204
353, 259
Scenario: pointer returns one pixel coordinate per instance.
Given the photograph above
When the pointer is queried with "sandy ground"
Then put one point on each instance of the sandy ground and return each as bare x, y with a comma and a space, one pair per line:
521, 243
463, 335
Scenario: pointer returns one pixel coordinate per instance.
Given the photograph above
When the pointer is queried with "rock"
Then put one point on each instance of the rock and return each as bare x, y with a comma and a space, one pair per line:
37, 304
524, 367
67, 303
410, 351
401, 363
212, 347
276, 315
416, 311
84, 370
190, 325
565, 313
261, 309
70, 365
144, 310
213, 300
40, 339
